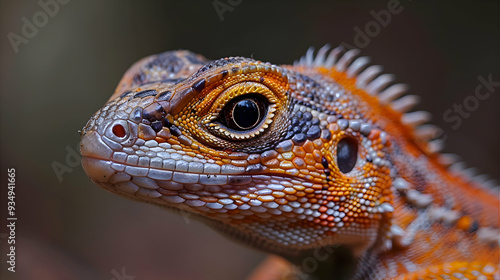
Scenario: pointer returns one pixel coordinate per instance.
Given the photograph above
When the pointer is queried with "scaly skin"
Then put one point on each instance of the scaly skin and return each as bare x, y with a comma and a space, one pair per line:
332, 164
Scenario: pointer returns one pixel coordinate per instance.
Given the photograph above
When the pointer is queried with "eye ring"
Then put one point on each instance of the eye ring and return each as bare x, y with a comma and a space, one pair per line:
239, 100
120, 131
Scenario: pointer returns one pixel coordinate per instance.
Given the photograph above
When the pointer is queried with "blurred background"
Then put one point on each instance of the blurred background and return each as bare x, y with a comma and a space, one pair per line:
57, 73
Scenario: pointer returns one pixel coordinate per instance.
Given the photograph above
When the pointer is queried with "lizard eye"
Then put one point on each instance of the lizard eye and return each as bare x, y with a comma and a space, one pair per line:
347, 154
241, 113
244, 113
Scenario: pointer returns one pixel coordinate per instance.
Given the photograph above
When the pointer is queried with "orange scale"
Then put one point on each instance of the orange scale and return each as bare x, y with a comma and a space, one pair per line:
464, 223
317, 186
160, 140
300, 194
318, 166
276, 170
308, 147
299, 152
191, 154
318, 180
173, 141
272, 163
278, 194
318, 143
304, 171
317, 155
281, 201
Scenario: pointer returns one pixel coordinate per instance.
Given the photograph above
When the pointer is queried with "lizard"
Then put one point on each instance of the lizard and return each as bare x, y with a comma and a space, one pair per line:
322, 163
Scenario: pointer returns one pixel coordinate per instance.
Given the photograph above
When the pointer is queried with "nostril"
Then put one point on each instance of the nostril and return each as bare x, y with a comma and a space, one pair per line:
119, 130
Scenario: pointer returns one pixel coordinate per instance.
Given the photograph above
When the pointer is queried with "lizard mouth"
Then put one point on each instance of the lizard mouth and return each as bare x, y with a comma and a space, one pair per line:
205, 194
167, 187
98, 170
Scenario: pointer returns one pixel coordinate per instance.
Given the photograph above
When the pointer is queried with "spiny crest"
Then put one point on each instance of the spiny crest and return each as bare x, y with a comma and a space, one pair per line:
371, 79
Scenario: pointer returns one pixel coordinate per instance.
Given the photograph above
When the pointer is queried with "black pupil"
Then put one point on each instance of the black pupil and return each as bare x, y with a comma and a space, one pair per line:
347, 154
246, 114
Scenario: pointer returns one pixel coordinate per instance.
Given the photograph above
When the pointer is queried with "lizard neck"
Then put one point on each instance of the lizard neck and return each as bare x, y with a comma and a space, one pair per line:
436, 210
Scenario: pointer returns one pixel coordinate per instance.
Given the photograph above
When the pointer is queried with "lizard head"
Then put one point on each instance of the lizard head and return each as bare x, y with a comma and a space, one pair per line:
278, 157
